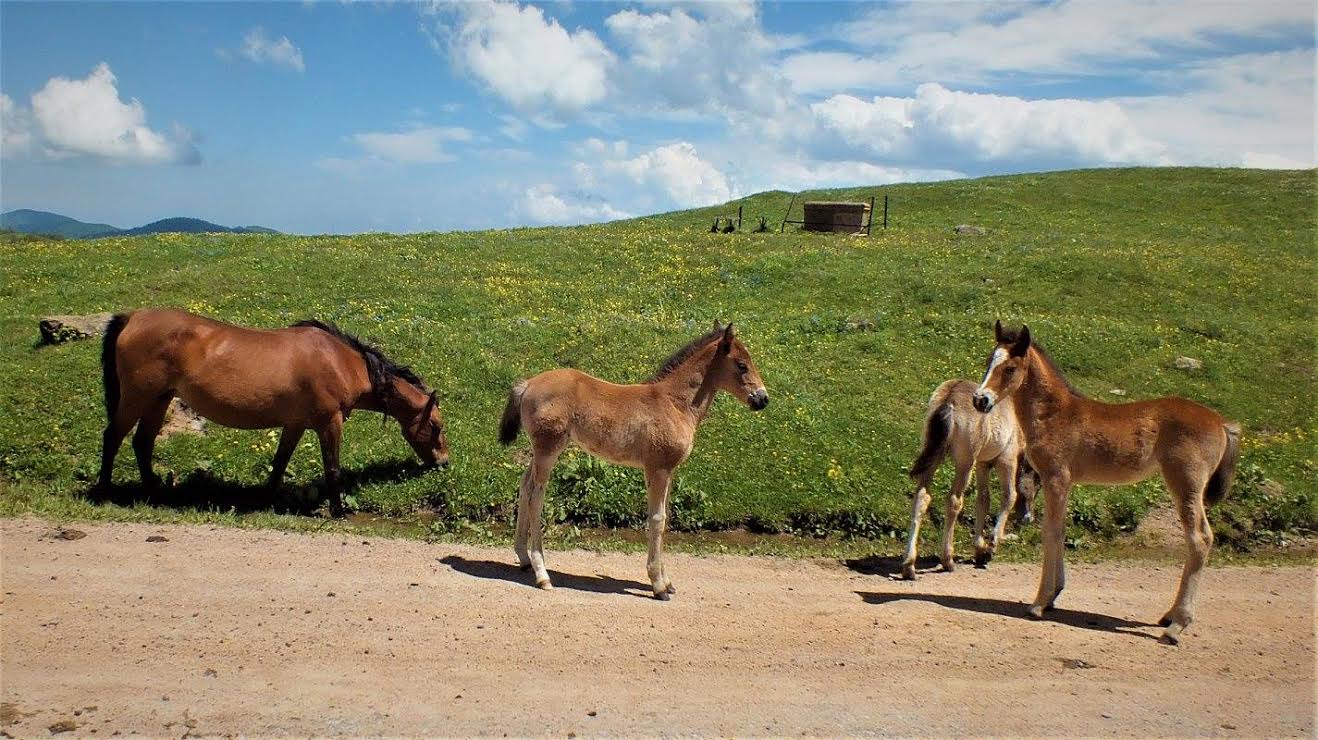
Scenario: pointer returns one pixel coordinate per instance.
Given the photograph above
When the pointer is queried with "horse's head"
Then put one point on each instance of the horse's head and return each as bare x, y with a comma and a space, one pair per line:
424, 430
1007, 366
734, 371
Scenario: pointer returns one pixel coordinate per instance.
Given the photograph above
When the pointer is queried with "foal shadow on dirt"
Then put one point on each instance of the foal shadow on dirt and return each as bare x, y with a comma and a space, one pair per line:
202, 491
499, 571
1014, 609
890, 567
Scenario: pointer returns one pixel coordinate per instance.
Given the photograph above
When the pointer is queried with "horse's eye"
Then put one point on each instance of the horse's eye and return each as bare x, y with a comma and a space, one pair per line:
1009, 371
741, 367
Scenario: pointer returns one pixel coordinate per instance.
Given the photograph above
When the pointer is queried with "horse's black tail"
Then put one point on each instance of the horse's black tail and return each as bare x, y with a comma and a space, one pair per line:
1220, 484
109, 363
937, 433
511, 424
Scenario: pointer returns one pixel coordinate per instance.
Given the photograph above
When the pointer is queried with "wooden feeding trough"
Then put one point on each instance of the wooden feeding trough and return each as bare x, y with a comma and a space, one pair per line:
843, 217
835, 215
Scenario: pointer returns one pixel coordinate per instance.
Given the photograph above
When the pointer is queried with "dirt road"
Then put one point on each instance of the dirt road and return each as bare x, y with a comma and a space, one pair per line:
222, 631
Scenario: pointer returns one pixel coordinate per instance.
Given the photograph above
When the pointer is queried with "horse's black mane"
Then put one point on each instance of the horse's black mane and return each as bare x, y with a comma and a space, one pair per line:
682, 355
379, 368
1009, 336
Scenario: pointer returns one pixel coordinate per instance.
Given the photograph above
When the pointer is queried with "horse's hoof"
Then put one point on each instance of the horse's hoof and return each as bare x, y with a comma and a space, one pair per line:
662, 595
670, 588
524, 566
1169, 639
908, 571
544, 585
1034, 612
982, 559
948, 566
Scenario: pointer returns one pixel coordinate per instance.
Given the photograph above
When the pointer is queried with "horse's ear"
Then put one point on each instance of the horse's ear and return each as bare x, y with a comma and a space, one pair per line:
997, 331
1022, 344
717, 326
430, 404
725, 344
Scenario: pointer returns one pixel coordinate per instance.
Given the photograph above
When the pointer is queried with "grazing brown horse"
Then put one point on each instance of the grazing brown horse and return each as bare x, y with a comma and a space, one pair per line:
308, 376
1073, 439
651, 426
979, 442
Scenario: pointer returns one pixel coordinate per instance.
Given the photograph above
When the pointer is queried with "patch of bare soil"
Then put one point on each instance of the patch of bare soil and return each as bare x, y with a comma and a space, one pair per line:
226, 631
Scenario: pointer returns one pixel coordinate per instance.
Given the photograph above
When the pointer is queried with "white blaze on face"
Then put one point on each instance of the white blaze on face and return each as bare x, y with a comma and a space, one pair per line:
997, 358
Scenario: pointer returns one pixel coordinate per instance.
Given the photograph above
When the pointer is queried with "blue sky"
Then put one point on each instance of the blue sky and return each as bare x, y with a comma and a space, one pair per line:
345, 117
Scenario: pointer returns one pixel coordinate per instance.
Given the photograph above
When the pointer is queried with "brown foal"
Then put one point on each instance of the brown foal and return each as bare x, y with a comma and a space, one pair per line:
651, 426
1073, 439
307, 376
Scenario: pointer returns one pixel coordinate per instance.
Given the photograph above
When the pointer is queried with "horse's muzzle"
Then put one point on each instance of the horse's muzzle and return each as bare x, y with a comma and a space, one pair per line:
982, 403
759, 399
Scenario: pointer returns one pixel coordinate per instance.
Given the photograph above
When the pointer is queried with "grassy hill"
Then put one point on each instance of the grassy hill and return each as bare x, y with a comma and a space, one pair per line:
1117, 272
27, 221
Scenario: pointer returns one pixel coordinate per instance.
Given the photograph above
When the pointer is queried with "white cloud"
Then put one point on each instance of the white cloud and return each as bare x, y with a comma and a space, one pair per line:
259, 47
942, 128
423, 145
1252, 110
513, 127
969, 42
85, 118
834, 71
718, 60
797, 174
543, 204
677, 172
525, 58
15, 128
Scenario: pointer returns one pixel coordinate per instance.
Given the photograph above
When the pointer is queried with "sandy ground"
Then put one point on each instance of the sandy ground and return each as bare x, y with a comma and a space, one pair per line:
220, 631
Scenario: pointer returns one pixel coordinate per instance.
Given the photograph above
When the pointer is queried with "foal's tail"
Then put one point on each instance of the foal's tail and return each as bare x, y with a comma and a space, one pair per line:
512, 415
1220, 483
937, 434
110, 364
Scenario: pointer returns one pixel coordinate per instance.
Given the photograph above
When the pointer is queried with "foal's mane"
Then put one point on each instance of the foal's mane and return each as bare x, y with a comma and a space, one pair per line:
679, 357
379, 368
1009, 336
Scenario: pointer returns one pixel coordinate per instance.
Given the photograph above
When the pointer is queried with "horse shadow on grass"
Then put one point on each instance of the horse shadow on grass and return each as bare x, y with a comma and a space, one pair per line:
1015, 609
500, 571
200, 490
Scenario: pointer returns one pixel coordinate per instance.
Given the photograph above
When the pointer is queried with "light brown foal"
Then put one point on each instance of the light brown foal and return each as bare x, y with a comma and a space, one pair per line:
307, 376
651, 426
978, 442
1073, 439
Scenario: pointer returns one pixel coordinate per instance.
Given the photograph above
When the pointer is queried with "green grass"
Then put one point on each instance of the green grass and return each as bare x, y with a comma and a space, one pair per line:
1117, 272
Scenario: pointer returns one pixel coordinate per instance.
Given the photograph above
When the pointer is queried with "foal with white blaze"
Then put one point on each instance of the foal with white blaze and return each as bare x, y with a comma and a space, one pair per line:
1071, 439
979, 442
651, 426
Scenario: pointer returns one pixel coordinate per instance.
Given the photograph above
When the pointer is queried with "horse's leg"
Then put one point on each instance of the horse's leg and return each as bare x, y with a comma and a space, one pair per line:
523, 520
656, 484
111, 440
1057, 488
331, 436
1187, 494
983, 550
546, 454
144, 439
1006, 467
288, 440
955, 500
919, 504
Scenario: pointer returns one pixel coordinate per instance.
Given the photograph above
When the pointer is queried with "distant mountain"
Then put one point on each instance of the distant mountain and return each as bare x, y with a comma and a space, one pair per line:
40, 222
192, 226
